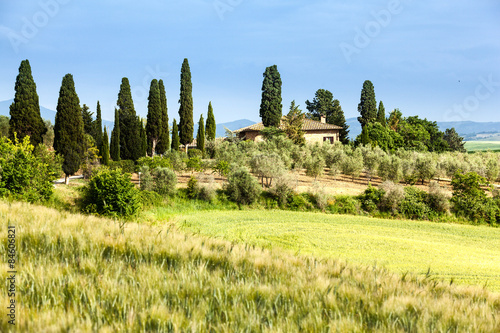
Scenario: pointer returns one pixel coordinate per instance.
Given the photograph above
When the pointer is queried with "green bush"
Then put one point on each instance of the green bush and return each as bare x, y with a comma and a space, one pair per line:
194, 164
370, 199
25, 175
146, 178
195, 153
300, 202
192, 188
111, 193
165, 181
393, 195
150, 199
345, 204
439, 200
415, 204
242, 188
282, 189
153, 162
127, 166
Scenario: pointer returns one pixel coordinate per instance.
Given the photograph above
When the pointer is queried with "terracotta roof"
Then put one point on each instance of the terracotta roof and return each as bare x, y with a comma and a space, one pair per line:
308, 125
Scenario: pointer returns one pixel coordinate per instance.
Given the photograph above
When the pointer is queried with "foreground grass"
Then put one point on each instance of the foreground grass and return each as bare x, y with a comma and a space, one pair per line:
79, 273
463, 253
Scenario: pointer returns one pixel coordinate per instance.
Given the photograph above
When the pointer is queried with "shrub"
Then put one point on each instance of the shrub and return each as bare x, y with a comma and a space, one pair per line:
393, 195
319, 195
111, 193
469, 198
370, 199
439, 200
414, 205
176, 159
195, 153
165, 181
194, 164
150, 199
146, 178
90, 162
242, 188
192, 188
127, 166
153, 162
222, 168
282, 189
345, 204
299, 202
25, 175
206, 188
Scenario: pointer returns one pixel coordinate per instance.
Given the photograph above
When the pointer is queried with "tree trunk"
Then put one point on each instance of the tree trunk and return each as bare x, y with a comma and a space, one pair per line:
66, 179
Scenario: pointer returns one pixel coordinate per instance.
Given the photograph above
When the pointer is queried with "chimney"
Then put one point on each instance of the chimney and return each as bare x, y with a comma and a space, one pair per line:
323, 119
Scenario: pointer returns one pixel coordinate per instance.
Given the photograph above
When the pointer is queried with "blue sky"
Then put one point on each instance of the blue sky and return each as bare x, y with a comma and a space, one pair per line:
435, 59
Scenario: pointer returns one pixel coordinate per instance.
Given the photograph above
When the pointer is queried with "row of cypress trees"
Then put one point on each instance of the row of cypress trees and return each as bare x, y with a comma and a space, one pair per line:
130, 139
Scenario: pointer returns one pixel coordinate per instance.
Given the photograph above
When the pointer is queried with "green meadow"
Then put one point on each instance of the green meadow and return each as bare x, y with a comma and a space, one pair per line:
472, 146
78, 273
462, 254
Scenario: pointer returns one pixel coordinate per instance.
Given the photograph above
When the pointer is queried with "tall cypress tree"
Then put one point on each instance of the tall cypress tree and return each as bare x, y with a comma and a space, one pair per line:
130, 146
186, 126
68, 128
88, 123
97, 129
164, 141
381, 114
338, 118
114, 149
367, 106
153, 125
210, 127
175, 136
105, 148
270, 106
200, 136
25, 116
144, 139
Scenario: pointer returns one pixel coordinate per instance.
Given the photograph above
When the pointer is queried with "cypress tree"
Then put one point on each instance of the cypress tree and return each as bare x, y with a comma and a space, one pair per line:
164, 141
210, 127
25, 119
367, 106
186, 126
144, 139
98, 136
338, 118
68, 128
200, 136
153, 125
88, 124
381, 114
270, 106
175, 137
105, 148
114, 149
130, 145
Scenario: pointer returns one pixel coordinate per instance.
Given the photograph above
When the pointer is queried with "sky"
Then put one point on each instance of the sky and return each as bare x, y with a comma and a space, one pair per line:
439, 60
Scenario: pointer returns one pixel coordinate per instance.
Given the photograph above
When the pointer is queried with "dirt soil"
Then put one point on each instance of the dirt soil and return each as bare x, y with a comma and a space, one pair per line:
338, 185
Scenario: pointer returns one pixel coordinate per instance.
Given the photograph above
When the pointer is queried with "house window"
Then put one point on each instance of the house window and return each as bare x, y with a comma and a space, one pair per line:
328, 138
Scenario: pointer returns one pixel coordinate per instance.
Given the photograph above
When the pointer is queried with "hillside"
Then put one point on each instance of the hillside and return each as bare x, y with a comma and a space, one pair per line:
80, 273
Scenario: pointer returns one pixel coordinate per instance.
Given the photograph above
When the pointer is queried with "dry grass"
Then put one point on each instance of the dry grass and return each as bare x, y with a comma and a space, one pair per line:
79, 273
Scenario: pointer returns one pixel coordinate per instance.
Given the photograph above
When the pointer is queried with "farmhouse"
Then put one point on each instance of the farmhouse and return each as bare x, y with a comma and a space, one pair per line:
314, 131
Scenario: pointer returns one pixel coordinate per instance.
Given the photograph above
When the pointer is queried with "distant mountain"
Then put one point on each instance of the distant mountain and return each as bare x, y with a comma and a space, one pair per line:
46, 114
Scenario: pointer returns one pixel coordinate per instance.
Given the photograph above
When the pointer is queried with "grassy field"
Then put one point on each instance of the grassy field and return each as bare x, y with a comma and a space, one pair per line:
80, 273
472, 146
467, 254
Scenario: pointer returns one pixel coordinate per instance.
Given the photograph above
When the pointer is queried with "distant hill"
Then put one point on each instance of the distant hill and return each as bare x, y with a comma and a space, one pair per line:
50, 115
470, 130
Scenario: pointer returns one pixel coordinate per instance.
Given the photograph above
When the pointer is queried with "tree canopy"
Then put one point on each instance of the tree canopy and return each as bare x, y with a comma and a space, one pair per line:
186, 125
270, 106
367, 106
210, 127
